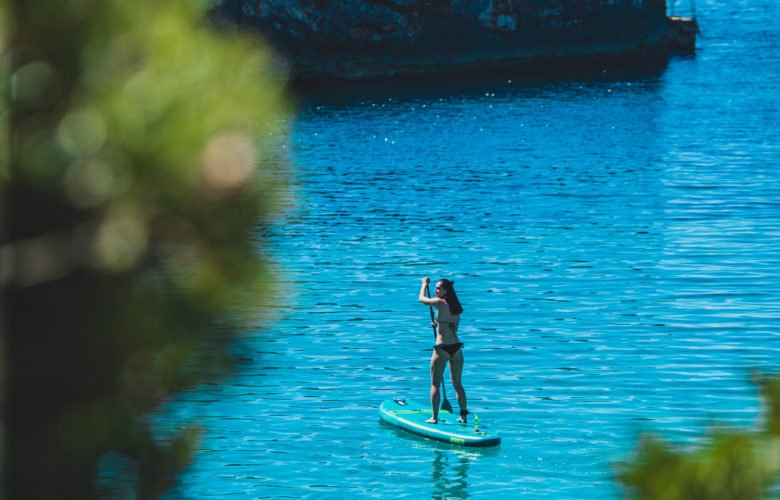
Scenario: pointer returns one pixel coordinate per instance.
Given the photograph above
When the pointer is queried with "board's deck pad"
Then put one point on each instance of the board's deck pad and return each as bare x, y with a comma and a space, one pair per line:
411, 416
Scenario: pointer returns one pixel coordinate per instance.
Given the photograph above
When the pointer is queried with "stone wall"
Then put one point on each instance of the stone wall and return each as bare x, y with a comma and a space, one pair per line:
353, 39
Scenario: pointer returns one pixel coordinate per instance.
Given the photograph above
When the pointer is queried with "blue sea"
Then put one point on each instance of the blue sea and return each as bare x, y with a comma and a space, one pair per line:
614, 238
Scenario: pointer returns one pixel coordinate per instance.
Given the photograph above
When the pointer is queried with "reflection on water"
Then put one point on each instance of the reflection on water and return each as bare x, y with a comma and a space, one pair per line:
355, 94
449, 475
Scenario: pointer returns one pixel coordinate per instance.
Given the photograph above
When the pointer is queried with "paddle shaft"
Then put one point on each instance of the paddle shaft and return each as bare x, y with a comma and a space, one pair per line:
445, 405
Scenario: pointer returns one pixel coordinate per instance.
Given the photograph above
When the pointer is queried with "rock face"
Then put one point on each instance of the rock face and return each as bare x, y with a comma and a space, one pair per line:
355, 39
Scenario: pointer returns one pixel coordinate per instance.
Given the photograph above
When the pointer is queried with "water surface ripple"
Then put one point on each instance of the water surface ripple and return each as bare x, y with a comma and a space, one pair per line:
614, 241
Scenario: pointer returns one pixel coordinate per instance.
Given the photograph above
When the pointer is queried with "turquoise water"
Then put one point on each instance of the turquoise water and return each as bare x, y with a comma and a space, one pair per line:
614, 239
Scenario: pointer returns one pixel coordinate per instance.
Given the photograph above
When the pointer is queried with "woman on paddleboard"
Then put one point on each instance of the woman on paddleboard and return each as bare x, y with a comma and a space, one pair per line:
448, 346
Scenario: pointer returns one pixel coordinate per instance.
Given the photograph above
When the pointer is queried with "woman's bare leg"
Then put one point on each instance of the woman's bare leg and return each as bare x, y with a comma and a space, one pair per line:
456, 371
437, 370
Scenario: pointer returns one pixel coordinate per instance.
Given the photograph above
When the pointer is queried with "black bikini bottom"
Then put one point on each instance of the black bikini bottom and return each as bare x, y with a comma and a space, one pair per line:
450, 349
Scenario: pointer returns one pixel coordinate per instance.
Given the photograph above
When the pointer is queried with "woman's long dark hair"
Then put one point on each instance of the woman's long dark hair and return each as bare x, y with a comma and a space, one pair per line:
450, 296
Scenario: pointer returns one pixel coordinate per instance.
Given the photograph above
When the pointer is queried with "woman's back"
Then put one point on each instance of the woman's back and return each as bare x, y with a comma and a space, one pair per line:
446, 325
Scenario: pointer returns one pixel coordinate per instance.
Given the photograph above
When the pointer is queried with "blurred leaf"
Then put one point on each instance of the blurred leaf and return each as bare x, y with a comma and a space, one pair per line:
729, 465
139, 159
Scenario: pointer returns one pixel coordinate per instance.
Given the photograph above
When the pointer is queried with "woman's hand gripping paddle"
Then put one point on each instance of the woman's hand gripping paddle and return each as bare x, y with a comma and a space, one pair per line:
445, 405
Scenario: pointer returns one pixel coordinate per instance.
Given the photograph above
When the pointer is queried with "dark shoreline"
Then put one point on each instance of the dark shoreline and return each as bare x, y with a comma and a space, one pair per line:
373, 40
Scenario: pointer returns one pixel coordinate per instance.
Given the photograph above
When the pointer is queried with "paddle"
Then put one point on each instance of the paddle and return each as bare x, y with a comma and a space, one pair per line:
445, 405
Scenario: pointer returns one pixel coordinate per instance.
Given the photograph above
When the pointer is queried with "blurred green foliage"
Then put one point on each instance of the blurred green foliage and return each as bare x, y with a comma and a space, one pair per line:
137, 168
732, 464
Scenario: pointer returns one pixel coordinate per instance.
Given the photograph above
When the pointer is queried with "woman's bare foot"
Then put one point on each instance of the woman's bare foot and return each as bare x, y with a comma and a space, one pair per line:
432, 420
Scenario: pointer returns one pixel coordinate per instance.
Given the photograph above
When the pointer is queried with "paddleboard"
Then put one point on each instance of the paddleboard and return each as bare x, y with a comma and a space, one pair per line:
411, 416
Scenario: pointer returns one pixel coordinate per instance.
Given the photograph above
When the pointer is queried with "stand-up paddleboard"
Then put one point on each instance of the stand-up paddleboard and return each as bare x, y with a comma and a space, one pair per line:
412, 416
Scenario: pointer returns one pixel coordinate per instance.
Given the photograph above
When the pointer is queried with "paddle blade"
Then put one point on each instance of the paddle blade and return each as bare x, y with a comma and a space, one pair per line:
445, 405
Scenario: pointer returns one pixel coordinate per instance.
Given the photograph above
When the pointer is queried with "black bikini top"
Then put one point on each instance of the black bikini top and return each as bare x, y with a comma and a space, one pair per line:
453, 325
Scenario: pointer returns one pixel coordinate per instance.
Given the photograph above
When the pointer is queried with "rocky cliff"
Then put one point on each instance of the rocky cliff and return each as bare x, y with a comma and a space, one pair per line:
354, 39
